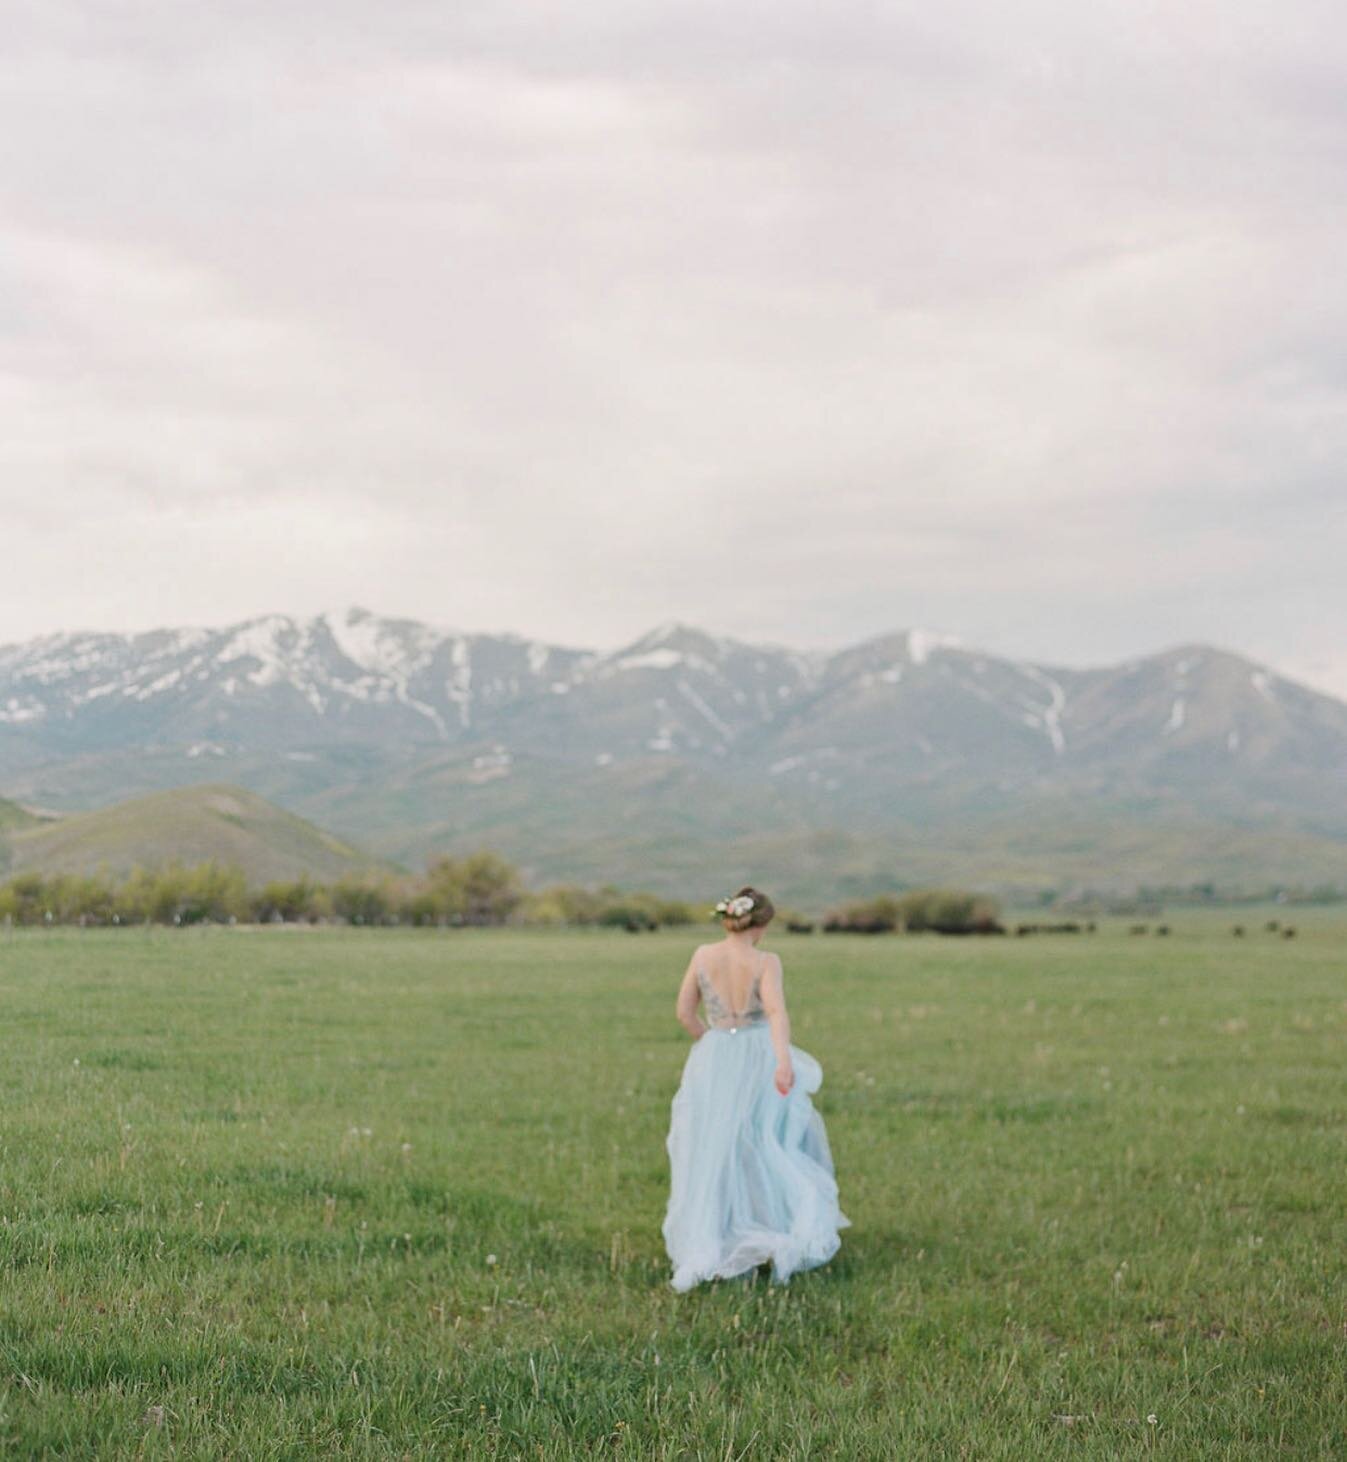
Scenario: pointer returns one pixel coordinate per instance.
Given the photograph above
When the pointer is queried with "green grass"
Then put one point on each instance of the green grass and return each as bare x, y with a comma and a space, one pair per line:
252, 1185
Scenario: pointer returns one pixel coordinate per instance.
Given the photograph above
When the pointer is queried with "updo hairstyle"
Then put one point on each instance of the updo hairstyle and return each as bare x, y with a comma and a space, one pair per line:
759, 916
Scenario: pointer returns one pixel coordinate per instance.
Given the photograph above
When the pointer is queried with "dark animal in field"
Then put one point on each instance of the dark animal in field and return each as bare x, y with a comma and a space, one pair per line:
1162, 928
1067, 928
1288, 932
859, 926
1238, 931
1140, 929
799, 926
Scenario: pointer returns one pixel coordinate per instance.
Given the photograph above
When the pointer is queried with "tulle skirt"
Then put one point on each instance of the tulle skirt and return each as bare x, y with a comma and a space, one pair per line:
752, 1174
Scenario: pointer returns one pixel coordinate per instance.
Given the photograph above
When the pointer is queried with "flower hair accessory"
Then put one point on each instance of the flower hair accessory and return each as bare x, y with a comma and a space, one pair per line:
734, 908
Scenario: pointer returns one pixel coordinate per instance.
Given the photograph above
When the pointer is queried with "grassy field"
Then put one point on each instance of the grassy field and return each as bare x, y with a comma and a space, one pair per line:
386, 1194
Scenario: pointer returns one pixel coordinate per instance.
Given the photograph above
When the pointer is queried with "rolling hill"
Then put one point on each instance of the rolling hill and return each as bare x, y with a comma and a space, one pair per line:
685, 759
12, 816
189, 824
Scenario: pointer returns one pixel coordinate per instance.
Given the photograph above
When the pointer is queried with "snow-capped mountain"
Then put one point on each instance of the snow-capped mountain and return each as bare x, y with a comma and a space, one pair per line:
380, 727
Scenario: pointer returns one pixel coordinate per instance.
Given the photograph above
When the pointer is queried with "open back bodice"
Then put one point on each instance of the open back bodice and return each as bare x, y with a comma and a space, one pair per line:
719, 1016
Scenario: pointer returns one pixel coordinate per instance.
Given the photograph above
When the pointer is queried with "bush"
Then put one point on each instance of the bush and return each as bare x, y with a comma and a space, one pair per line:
880, 915
24, 899
363, 901
479, 889
934, 910
296, 901
949, 911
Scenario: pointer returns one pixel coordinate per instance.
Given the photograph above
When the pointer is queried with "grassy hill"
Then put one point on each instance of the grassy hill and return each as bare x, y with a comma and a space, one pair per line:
12, 816
189, 824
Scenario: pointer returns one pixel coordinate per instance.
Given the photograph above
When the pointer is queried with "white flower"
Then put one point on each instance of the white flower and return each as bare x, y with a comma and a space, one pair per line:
1152, 1420
491, 1260
738, 907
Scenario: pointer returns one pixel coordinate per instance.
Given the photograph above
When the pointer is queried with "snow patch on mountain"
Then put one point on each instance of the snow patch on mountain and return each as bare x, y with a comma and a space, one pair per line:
652, 660
696, 701
1262, 683
1051, 714
923, 643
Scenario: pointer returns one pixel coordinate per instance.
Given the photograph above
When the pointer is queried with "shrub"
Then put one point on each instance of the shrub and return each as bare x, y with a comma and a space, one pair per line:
949, 911
363, 901
293, 901
880, 915
937, 910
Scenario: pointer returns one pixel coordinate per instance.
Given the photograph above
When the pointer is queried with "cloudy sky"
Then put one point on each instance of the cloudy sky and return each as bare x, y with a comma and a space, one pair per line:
798, 321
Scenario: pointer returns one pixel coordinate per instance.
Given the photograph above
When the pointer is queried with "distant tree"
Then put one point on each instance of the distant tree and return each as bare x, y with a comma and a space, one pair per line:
881, 915
578, 905
214, 893
24, 899
357, 900
492, 889
291, 901
444, 898
948, 911
479, 889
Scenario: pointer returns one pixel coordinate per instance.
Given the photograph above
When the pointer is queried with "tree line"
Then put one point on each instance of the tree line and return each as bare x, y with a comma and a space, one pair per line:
919, 911
477, 890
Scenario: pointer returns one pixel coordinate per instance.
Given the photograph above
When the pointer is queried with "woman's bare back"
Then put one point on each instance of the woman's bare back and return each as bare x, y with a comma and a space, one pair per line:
731, 981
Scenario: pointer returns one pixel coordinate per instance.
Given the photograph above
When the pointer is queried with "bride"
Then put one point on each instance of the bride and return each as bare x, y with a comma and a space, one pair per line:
752, 1175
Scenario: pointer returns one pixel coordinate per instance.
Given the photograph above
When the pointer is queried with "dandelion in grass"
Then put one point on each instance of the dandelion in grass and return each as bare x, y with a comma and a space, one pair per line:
491, 1261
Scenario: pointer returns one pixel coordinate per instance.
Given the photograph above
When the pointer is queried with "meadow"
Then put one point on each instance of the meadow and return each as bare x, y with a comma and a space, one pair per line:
364, 1193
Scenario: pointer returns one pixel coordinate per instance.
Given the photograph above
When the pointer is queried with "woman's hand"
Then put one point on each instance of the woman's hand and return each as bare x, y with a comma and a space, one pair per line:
785, 1078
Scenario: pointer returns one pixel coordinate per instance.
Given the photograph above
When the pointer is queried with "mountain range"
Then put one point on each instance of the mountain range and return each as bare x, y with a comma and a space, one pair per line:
685, 759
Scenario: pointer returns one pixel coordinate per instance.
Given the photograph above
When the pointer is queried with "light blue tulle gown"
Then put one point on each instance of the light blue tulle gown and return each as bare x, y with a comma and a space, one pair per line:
752, 1174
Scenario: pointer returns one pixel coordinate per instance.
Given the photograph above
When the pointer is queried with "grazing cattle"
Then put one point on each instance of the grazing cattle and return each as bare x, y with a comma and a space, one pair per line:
799, 926
1238, 931
1140, 929
1162, 928
1288, 932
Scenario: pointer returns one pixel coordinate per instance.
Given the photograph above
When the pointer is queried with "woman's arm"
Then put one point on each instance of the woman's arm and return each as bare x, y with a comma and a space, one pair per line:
689, 995
774, 1003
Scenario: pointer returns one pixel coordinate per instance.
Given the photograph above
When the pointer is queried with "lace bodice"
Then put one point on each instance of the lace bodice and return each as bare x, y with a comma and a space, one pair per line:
719, 1016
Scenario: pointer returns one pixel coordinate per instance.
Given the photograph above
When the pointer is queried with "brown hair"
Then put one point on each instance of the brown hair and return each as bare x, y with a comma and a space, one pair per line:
760, 915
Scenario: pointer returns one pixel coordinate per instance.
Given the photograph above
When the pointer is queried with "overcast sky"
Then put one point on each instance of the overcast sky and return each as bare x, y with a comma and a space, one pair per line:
801, 322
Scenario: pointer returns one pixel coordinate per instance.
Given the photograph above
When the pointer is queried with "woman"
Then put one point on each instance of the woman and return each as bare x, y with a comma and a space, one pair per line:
752, 1176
